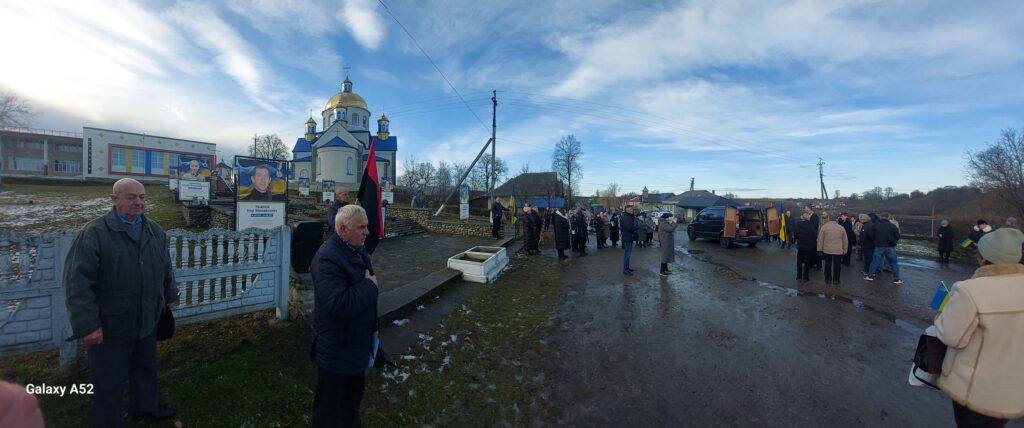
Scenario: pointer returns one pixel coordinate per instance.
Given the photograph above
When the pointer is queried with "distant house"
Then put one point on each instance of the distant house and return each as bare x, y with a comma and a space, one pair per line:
224, 170
656, 202
541, 189
692, 202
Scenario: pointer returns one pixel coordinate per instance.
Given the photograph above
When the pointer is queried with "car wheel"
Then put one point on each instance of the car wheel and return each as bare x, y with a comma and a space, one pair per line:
724, 242
691, 234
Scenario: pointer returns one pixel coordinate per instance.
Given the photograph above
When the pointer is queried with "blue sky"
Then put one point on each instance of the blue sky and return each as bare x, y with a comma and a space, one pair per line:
744, 96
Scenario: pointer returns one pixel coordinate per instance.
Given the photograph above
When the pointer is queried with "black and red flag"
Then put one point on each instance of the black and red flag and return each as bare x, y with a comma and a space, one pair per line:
369, 199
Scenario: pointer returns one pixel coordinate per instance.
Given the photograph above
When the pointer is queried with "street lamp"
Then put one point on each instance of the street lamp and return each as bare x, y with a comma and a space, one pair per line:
422, 182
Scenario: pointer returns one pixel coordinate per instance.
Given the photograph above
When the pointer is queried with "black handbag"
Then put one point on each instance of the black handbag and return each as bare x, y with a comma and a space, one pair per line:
928, 358
165, 326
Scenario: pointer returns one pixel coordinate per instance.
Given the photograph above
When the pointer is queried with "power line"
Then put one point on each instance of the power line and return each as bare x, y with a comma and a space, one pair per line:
450, 85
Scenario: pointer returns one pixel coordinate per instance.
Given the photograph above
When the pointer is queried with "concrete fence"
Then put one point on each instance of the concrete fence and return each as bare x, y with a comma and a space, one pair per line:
219, 273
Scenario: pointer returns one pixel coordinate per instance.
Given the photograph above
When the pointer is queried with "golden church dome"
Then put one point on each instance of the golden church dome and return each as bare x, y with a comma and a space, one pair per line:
346, 99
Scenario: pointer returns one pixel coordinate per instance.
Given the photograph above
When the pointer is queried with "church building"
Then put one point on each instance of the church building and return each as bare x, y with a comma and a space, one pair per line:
340, 150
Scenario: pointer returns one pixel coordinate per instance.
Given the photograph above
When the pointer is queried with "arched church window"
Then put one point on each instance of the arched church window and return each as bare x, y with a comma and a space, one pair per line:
355, 119
351, 167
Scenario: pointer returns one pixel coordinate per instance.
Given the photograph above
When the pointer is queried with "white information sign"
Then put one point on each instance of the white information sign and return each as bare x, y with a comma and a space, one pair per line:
262, 215
463, 211
388, 196
328, 196
304, 191
198, 189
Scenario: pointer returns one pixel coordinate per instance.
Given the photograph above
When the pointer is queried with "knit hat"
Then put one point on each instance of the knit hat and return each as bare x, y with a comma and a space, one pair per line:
1002, 245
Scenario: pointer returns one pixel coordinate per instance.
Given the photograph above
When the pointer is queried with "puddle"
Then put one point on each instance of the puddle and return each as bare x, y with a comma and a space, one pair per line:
687, 252
914, 327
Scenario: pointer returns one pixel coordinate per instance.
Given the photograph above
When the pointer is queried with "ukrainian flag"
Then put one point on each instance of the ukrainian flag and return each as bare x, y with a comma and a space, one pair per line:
512, 205
782, 231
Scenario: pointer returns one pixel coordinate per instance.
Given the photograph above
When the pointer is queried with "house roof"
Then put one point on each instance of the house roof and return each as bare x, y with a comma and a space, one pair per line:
301, 145
532, 184
337, 142
657, 198
389, 145
705, 201
546, 203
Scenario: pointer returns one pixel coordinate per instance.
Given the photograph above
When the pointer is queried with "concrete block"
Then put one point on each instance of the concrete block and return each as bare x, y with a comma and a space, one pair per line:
46, 335
38, 302
28, 337
7, 340
46, 275
42, 324
45, 313
26, 314
46, 263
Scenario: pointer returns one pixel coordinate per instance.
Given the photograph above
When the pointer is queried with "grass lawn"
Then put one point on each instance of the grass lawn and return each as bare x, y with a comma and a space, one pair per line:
38, 208
484, 365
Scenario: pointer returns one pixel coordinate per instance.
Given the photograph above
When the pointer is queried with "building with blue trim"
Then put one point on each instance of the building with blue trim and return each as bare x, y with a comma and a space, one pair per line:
340, 150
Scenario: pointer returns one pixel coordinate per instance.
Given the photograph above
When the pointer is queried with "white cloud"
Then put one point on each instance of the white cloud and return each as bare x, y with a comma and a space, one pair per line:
363, 22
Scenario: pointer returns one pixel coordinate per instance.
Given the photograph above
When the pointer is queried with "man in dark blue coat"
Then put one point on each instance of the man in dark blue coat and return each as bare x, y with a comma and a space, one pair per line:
344, 320
340, 200
627, 226
497, 214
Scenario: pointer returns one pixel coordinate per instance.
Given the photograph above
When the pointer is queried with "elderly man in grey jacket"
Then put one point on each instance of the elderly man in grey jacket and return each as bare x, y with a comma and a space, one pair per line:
118, 279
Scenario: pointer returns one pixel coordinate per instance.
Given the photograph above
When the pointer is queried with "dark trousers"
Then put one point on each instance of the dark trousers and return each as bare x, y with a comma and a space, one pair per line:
944, 256
579, 243
833, 264
849, 253
967, 418
113, 363
496, 228
804, 261
627, 247
869, 254
336, 400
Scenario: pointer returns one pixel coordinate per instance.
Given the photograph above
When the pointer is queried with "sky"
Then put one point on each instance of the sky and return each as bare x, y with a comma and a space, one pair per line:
741, 96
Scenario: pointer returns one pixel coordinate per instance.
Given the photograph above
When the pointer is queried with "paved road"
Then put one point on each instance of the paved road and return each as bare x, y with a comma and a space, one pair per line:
774, 265
710, 346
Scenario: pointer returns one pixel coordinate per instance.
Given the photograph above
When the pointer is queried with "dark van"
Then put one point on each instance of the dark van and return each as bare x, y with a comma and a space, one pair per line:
729, 225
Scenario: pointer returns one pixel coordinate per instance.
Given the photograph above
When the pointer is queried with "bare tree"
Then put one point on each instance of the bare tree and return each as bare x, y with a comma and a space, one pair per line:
14, 110
268, 146
888, 193
1000, 168
482, 170
525, 169
610, 195
566, 162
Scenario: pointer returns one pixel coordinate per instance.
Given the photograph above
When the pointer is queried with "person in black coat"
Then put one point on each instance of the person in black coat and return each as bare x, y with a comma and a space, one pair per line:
945, 241
529, 230
345, 292
538, 225
867, 241
851, 238
816, 222
806, 246
497, 214
599, 231
790, 230
578, 222
560, 223
613, 229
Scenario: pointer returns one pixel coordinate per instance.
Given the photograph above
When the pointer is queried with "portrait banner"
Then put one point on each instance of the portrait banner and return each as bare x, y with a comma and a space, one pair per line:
261, 194
193, 167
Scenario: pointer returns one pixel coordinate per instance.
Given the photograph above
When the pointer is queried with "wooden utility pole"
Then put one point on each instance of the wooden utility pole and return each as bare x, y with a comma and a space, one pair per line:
492, 180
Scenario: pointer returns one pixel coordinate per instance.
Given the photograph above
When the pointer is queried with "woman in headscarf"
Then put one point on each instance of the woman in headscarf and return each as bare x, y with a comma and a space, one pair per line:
667, 237
642, 230
613, 228
945, 237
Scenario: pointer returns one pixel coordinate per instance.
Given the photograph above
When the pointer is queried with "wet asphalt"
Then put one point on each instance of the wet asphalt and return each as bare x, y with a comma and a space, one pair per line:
730, 339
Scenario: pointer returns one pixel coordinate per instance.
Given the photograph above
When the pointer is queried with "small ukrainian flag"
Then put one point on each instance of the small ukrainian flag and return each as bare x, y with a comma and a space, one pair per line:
941, 297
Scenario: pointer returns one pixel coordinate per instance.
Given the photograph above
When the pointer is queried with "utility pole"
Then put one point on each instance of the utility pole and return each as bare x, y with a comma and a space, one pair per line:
691, 183
821, 178
494, 142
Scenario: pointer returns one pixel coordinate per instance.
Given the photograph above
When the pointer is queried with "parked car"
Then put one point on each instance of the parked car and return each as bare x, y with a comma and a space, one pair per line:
729, 225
